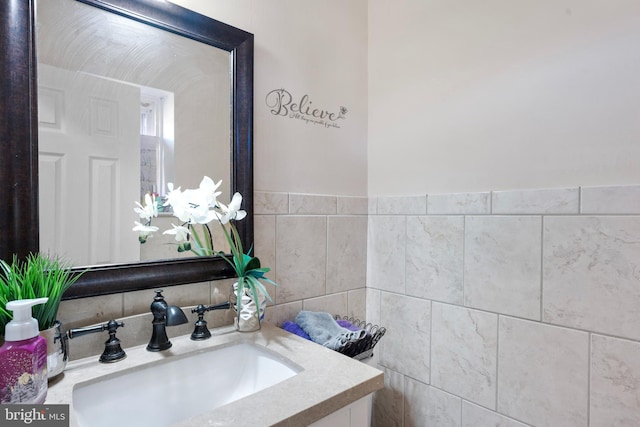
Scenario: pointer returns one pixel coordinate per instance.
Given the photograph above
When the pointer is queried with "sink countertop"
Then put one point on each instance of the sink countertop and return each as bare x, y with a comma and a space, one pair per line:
328, 380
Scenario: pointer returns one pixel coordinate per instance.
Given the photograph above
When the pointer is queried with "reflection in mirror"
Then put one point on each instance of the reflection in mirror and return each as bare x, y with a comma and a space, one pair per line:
19, 210
124, 109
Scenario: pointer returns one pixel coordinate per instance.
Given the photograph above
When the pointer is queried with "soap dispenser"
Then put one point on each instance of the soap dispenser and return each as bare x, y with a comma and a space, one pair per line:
23, 356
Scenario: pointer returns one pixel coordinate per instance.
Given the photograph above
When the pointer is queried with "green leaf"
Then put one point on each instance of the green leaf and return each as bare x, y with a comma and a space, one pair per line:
253, 263
36, 276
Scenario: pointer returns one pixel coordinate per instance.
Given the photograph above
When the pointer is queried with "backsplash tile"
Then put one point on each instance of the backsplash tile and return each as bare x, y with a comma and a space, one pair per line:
265, 203
388, 403
542, 373
336, 304
463, 352
372, 206
459, 203
591, 273
611, 200
477, 416
386, 253
402, 205
311, 204
280, 313
428, 406
264, 245
352, 205
357, 307
546, 201
434, 257
301, 262
347, 253
88, 311
502, 264
405, 347
615, 382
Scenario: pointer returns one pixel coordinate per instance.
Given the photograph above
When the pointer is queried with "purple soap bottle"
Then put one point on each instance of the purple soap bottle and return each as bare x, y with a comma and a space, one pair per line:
23, 356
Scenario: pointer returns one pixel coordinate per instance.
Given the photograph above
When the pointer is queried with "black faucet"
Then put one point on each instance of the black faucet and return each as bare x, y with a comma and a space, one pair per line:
163, 315
201, 332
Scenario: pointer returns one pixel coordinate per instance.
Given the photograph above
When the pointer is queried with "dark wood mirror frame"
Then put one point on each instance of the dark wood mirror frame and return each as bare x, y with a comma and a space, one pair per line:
19, 226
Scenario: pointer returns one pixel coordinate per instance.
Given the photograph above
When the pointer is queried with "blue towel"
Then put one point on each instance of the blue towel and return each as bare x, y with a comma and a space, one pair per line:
295, 329
324, 330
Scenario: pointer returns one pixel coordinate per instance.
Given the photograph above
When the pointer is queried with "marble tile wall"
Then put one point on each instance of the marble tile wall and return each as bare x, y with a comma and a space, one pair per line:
503, 308
315, 245
507, 308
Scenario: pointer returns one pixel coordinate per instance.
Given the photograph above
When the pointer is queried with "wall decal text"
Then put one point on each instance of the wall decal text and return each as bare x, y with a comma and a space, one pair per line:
281, 103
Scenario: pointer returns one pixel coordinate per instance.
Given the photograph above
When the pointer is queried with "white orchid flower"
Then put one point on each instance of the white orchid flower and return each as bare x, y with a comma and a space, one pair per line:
193, 205
149, 210
208, 187
181, 232
145, 231
202, 199
175, 200
232, 211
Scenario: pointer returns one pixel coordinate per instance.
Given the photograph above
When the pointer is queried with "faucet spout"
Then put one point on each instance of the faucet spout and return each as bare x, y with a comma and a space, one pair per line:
163, 315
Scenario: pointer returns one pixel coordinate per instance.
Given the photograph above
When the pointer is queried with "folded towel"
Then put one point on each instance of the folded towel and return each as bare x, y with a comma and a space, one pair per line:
294, 328
347, 325
324, 330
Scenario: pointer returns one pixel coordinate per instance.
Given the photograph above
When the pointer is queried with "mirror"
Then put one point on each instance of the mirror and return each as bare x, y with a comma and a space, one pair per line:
19, 218
114, 127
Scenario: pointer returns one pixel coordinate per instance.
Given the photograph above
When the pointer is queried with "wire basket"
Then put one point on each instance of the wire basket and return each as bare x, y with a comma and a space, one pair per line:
363, 348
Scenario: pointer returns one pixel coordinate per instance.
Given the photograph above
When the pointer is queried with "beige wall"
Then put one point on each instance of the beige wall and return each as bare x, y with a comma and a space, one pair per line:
313, 48
477, 96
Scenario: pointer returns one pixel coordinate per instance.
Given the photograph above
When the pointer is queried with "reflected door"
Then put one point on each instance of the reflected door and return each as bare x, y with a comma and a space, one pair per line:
89, 143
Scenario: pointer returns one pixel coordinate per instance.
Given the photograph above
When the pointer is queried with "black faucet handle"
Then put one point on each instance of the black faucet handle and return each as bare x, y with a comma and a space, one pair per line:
112, 349
110, 326
201, 308
201, 332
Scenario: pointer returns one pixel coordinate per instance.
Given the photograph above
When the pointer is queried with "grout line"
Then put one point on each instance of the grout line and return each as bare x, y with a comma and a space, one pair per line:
589, 351
326, 250
497, 357
580, 201
430, 342
542, 221
464, 251
491, 202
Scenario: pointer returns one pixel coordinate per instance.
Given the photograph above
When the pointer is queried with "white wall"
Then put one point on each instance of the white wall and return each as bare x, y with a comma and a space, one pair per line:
472, 96
313, 48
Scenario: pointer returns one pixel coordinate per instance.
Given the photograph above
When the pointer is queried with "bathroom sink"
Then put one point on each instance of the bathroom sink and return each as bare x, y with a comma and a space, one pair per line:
164, 393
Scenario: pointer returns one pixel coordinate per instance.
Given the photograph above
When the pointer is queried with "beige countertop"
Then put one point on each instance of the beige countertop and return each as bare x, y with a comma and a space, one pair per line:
328, 380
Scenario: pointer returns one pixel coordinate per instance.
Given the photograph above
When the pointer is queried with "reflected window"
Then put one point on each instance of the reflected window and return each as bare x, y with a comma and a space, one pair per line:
156, 141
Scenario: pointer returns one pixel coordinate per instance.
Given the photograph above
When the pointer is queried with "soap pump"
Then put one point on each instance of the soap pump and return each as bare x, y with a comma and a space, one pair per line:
23, 356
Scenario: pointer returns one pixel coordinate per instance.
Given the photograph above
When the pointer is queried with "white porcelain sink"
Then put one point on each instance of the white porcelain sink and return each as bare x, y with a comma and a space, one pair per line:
164, 393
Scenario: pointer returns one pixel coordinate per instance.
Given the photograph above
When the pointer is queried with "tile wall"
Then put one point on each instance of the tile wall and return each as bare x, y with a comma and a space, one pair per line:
317, 248
507, 308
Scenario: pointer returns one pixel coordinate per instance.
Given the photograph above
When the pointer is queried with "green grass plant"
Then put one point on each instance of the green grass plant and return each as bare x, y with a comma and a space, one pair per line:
36, 276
